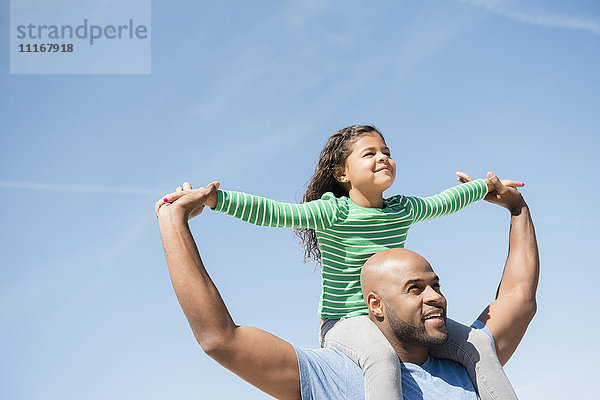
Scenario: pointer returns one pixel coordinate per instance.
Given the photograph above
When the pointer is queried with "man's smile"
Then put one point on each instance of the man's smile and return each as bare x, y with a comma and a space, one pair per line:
436, 316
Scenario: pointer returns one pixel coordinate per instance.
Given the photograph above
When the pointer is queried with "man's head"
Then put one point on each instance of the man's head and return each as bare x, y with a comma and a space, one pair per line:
404, 298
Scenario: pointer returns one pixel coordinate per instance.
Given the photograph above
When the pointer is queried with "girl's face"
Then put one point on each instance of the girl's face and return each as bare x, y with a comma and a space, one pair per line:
369, 167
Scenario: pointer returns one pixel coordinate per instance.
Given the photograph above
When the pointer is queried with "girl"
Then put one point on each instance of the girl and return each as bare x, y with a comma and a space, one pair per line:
342, 221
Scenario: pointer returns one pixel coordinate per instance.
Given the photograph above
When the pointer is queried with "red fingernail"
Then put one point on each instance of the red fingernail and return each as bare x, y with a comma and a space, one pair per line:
165, 199
522, 183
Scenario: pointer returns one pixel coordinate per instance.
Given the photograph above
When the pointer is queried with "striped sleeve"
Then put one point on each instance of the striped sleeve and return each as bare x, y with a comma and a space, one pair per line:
317, 214
447, 202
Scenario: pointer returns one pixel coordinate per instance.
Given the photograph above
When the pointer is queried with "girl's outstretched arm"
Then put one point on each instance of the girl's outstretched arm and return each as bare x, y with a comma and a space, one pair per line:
317, 214
464, 178
447, 202
455, 198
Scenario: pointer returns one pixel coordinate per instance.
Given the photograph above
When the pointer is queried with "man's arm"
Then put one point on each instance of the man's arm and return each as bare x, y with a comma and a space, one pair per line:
262, 359
509, 315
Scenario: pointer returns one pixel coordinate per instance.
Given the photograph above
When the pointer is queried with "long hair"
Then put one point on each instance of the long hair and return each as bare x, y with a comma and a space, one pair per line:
333, 156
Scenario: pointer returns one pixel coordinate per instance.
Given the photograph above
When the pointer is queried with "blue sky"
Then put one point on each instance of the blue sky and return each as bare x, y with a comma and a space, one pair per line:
247, 93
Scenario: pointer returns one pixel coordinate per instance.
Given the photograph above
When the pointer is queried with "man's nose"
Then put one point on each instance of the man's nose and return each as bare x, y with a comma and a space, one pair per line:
432, 296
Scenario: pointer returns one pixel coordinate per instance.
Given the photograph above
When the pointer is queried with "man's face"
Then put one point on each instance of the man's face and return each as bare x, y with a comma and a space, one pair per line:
416, 309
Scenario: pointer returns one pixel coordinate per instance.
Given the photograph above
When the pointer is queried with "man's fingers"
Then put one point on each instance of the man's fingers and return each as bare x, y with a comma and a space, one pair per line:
498, 186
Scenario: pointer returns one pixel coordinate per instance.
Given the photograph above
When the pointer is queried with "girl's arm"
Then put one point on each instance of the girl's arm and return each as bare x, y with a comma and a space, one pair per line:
447, 202
317, 214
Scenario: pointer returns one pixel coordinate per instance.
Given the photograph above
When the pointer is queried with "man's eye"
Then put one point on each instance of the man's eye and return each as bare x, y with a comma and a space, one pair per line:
415, 289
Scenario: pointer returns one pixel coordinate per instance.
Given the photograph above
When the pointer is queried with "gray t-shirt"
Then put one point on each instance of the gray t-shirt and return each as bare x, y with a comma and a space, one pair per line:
329, 374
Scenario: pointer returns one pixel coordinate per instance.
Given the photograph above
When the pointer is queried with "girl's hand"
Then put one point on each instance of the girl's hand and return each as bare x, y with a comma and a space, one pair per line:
493, 183
464, 178
192, 200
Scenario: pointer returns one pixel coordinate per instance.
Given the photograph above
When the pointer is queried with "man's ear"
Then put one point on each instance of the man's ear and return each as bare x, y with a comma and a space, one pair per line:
375, 304
339, 174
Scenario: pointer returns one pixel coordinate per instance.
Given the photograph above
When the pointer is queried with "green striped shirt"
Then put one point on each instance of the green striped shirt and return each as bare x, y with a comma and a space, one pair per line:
349, 234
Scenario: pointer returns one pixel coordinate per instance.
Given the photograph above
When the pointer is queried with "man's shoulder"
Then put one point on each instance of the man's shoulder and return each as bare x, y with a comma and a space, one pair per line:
328, 374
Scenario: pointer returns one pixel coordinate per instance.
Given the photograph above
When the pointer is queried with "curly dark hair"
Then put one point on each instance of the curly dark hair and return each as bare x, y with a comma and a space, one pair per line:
333, 156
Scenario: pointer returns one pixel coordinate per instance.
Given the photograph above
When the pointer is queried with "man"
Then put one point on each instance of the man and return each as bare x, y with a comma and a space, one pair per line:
400, 288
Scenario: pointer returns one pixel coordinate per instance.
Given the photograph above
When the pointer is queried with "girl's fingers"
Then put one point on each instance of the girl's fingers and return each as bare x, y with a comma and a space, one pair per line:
462, 177
510, 183
158, 205
168, 198
179, 192
171, 197
162, 201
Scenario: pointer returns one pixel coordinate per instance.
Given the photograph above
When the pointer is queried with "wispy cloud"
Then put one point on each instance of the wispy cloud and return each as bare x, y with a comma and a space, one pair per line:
76, 188
423, 36
541, 18
305, 10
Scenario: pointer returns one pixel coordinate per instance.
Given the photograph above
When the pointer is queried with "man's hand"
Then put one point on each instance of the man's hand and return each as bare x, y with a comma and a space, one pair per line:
501, 192
187, 200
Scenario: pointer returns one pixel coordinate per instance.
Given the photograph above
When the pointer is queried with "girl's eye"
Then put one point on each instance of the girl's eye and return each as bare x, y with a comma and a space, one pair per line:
369, 154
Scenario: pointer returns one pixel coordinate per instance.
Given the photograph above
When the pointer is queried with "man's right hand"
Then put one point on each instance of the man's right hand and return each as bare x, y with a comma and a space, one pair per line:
187, 200
505, 195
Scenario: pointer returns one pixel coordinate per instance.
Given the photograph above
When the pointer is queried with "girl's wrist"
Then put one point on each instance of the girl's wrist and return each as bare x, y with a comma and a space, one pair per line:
489, 184
212, 200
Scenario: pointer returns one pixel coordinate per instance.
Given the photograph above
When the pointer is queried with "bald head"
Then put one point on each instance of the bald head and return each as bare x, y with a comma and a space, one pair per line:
405, 302
390, 268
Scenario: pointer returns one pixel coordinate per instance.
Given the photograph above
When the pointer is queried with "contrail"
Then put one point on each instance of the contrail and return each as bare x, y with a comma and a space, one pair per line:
77, 188
551, 20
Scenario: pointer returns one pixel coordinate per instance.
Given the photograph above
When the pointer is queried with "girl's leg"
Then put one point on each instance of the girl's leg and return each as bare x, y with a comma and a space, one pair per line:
363, 342
474, 349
